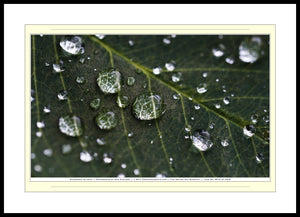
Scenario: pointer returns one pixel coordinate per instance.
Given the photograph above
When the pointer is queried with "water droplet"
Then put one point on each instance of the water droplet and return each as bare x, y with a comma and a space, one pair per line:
217, 80
249, 130
57, 68
151, 142
72, 45
220, 36
136, 172
224, 142
211, 125
188, 128
217, 106
82, 60
171, 160
130, 135
266, 134
47, 109
226, 100
48, 152
170, 66
173, 36
219, 51
229, 60
40, 124
254, 118
202, 88
176, 77
31, 99
123, 165
190, 98
259, 158
106, 120
121, 175
159, 175
166, 41
176, 96
95, 103
197, 106
109, 81
47, 64
157, 70
204, 75
39, 134
32, 156
122, 101
192, 118
62, 95
100, 36
70, 125
86, 157
201, 140
106, 158
131, 43
38, 168
249, 50
130, 81
148, 106
266, 119
66, 148
80, 79
100, 141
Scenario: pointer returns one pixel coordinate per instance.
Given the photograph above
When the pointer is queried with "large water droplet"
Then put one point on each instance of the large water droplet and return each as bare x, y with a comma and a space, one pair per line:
106, 119
130, 81
109, 81
249, 130
202, 88
157, 70
86, 157
201, 140
70, 125
122, 101
176, 77
148, 106
72, 45
249, 50
95, 103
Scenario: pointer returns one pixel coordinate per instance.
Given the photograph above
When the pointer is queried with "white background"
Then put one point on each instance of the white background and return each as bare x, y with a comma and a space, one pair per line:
284, 200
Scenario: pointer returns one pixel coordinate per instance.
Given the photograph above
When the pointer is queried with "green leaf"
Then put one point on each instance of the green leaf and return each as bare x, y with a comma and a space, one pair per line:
205, 87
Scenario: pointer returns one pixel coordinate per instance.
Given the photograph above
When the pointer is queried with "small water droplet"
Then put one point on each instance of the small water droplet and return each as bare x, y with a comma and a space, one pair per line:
131, 43
40, 124
47, 64
57, 68
70, 126
95, 103
100, 36
106, 158
47, 109
266, 135
148, 106
249, 50
86, 157
217, 80
38, 168
266, 119
192, 118
31, 99
166, 41
72, 45
122, 101
136, 172
100, 141
217, 106
249, 130
106, 119
226, 100
48, 152
130, 81
159, 175
170, 66
110, 81
32, 156
157, 70
188, 128
202, 88
190, 98
197, 106
121, 175
66, 148
220, 36
176, 96
80, 79
259, 158
39, 134
229, 60
123, 165
254, 118
211, 125
204, 75
82, 60
201, 140
130, 135
171, 160
219, 51
151, 142
224, 142
62, 95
